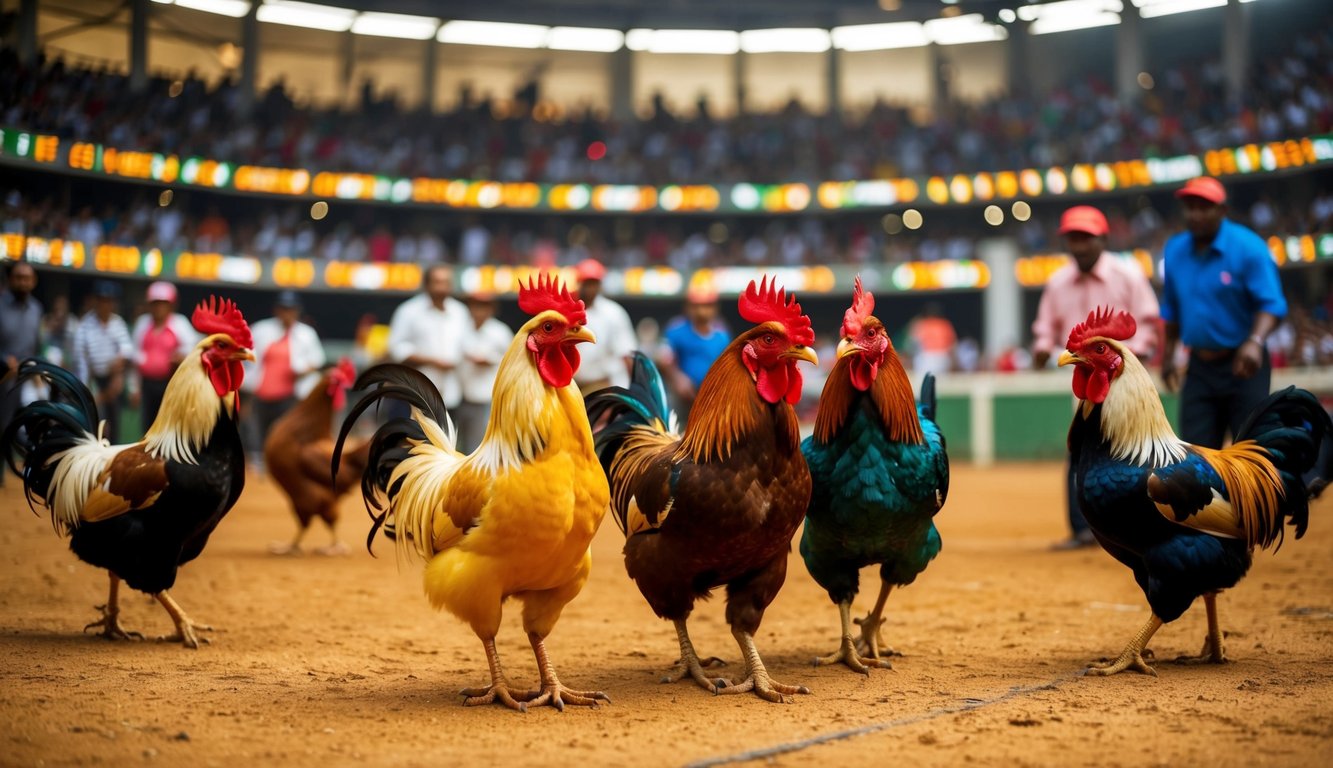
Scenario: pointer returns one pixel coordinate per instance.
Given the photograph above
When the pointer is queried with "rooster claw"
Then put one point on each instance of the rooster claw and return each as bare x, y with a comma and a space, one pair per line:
558, 696
497, 692
110, 624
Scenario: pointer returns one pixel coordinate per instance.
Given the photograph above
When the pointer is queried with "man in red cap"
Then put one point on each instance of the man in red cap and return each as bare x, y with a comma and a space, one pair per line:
1094, 279
162, 338
1221, 297
606, 363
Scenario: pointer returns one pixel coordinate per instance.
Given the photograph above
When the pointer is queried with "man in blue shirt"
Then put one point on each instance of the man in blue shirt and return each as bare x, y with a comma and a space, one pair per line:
1221, 297
695, 341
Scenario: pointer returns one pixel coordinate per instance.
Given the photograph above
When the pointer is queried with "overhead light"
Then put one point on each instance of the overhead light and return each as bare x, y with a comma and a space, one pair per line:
308, 15
720, 41
970, 28
585, 39
496, 33
233, 8
785, 40
1069, 15
875, 37
395, 25
1151, 9
1007, 15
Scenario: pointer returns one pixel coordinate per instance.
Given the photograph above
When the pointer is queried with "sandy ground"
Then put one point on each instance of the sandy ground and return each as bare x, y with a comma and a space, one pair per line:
329, 661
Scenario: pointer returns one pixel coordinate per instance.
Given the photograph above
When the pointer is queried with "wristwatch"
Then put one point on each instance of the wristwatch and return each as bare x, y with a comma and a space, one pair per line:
1257, 339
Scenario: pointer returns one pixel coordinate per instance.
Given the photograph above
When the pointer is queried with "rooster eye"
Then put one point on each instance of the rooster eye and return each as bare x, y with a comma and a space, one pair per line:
1101, 349
871, 333
548, 326
768, 338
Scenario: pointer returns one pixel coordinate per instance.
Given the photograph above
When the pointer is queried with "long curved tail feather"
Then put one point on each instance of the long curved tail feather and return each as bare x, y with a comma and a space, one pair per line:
642, 404
1290, 425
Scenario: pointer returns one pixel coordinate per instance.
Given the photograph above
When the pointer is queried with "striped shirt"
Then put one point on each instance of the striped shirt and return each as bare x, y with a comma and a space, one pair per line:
97, 346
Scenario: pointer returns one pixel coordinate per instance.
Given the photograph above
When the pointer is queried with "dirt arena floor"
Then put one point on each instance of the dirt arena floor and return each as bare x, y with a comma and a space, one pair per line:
323, 661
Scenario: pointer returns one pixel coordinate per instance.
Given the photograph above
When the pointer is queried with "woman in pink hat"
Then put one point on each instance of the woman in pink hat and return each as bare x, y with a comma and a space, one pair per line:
162, 338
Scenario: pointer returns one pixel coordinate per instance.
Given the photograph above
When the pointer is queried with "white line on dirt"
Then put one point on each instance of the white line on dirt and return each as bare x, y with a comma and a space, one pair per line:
826, 738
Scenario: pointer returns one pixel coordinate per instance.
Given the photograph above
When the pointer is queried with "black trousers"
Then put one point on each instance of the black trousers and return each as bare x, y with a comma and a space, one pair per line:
1214, 402
265, 413
150, 399
109, 410
9, 405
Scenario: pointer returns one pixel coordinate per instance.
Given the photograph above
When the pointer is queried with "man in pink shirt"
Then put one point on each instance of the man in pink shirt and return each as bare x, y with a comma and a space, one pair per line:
1094, 279
162, 338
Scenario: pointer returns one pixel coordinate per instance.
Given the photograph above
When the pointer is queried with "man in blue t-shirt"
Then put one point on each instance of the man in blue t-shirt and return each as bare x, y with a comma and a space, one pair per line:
1221, 297
695, 341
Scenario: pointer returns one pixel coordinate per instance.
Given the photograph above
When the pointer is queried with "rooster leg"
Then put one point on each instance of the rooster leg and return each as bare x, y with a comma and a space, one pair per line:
185, 627
846, 653
294, 548
553, 692
1213, 652
871, 643
499, 687
690, 666
1132, 656
110, 621
757, 678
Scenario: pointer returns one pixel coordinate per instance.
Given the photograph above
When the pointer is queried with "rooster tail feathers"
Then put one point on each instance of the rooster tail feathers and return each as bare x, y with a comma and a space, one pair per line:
926, 401
1290, 425
42, 430
392, 443
642, 403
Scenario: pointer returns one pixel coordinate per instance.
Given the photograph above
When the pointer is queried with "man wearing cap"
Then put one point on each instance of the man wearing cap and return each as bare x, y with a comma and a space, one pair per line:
102, 350
484, 346
606, 363
162, 338
288, 357
426, 332
694, 342
1094, 279
20, 329
1221, 297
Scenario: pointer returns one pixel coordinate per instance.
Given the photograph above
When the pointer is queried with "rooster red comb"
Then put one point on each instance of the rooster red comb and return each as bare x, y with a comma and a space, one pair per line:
768, 303
221, 316
345, 371
545, 292
1105, 322
863, 303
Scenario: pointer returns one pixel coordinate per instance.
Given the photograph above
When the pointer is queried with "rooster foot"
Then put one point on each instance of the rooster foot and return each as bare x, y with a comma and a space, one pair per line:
693, 668
1207, 655
557, 695
291, 549
847, 654
498, 692
765, 688
871, 642
185, 634
110, 624
336, 549
1130, 659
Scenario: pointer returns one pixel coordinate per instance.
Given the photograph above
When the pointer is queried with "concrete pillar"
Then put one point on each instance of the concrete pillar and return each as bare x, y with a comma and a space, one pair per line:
1002, 303
940, 73
622, 85
1128, 53
28, 32
1236, 49
738, 62
347, 65
139, 10
429, 65
1016, 49
833, 81
245, 97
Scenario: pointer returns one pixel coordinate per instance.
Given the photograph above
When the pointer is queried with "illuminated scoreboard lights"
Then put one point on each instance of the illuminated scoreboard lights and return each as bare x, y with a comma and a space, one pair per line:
958, 189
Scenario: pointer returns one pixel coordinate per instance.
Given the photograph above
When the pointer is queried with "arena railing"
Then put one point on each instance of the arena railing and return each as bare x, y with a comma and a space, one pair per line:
23, 148
647, 282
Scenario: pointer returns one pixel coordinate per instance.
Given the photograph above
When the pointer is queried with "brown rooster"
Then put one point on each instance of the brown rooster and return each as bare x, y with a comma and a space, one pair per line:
298, 452
718, 505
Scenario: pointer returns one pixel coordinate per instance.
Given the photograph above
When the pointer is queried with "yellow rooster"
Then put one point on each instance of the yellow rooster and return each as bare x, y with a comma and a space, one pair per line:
515, 518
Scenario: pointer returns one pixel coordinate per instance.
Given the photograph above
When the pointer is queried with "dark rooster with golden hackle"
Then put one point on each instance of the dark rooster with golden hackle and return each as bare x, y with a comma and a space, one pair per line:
717, 505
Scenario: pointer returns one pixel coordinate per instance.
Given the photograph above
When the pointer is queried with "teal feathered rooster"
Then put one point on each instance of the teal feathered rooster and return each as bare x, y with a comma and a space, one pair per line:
880, 473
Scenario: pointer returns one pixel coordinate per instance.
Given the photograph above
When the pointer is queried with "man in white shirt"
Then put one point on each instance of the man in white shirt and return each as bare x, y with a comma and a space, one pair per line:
606, 363
288, 358
427, 332
102, 348
484, 345
162, 338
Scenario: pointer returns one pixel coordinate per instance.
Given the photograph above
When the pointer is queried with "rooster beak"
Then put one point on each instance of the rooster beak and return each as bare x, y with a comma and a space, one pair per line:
802, 353
579, 334
847, 347
244, 354
1069, 358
